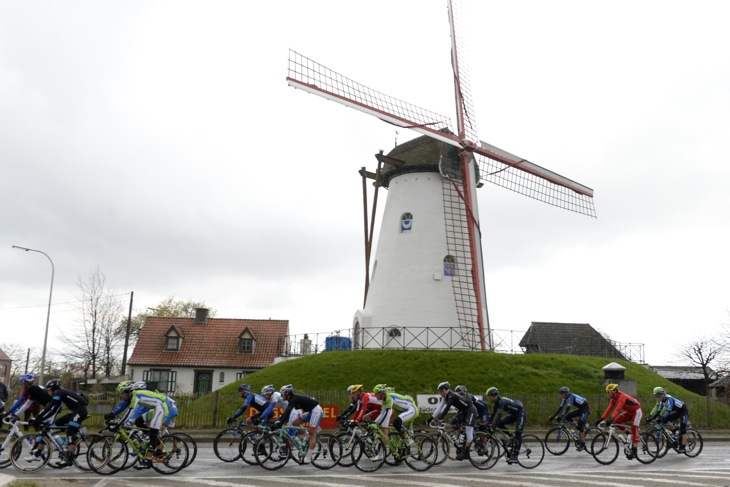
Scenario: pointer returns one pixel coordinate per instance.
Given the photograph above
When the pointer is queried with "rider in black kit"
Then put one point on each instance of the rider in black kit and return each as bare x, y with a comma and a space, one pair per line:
467, 414
77, 406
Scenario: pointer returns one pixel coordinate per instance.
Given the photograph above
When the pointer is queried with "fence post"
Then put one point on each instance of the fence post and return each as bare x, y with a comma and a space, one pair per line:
215, 408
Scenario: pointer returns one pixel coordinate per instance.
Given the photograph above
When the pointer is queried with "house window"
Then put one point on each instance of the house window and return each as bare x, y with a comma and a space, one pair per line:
246, 342
245, 345
162, 380
222, 377
240, 375
406, 222
172, 344
449, 265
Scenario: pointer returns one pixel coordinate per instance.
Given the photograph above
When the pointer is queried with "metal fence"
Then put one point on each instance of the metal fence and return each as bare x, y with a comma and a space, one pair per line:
212, 410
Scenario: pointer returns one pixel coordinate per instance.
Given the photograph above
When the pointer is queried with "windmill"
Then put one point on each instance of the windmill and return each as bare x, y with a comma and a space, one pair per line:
427, 287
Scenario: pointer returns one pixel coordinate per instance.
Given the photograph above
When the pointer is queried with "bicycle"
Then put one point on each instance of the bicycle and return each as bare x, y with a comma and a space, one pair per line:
558, 439
370, 450
502, 441
347, 436
605, 445
445, 440
8, 436
227, 444
670, 439
110, 454
26, 456
247, 444
274, 449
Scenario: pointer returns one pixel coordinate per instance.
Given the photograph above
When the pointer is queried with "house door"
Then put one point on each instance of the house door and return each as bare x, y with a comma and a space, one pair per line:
203, 382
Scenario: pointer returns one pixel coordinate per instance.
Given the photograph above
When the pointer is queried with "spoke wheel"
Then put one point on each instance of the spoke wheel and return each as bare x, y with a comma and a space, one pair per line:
175, 455
6, 444
648, 449
347, 441
532, 452
226, 445
557, 440
484, 451
246, 448
328, 451
191, 444
273, 450
694, 443
24, 456
423, 454
369, 453
604, 448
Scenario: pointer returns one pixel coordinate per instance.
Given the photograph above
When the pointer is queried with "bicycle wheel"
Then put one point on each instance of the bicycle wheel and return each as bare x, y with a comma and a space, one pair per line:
604, 448
590, 434
80, 449
423, 453
694, 443
246, 448
532, 451
662, 440
484, 451
369, 453
226, 445
273, 450
175, 455
648, 449
106, 455
443, 448
191, 444
347, 441
6, 443
557, 440
25, 455
328, 451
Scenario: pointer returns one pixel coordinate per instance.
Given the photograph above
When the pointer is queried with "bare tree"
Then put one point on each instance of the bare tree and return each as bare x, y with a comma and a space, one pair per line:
175, 308
96, 345
703, 352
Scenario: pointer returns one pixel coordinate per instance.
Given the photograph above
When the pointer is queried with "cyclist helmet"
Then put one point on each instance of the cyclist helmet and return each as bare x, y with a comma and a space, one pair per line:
349, 389
287, 389
356, 388
611, 387
139, 385
27, 378
267, 389
380, 388
122, 387
128, 386
659, 391
244, 387
53, 384
492, 391
564, 390
460, 389
444, 386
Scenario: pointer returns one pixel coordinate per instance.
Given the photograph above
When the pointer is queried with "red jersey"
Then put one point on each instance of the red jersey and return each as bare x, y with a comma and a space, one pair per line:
368, 402
621, 401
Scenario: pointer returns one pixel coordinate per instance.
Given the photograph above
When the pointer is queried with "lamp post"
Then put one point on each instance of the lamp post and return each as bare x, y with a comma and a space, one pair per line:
48, 315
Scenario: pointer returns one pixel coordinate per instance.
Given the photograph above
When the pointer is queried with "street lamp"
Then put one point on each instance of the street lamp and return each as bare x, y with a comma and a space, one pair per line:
48, 316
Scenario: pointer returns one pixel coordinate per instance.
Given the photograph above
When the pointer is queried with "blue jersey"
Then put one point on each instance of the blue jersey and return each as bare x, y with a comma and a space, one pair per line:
259, 403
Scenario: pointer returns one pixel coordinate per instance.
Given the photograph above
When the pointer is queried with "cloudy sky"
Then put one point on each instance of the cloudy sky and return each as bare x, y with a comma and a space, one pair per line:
159, 142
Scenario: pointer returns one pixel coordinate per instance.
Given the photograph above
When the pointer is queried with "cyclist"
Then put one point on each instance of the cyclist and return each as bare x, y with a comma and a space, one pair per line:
354, 402
77, 406
259, 403
138, 402
631, 413
171, 414
507, 411
582, 411
482, 407
466, 415
31, 395
311, 413
669, 408
274, 400
404, 405
369, 406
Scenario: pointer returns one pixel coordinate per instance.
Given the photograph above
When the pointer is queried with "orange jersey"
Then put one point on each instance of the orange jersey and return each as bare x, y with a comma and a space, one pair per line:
620, 401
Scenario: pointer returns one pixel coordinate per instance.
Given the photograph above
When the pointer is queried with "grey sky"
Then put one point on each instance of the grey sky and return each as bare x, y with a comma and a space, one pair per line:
160, 142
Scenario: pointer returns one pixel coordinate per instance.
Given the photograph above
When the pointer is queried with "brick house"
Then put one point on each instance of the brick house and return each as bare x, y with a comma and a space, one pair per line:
5, 364
199, 355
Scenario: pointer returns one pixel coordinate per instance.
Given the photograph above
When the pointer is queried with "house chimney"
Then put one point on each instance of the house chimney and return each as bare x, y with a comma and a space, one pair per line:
201, 315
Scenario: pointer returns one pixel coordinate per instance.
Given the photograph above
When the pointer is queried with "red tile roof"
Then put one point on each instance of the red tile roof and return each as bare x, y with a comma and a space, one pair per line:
213, 344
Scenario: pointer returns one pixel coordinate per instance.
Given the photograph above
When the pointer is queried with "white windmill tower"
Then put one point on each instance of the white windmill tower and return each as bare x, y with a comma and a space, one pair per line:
426, 287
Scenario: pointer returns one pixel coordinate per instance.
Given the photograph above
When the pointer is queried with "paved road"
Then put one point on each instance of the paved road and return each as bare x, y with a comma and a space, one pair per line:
711, 468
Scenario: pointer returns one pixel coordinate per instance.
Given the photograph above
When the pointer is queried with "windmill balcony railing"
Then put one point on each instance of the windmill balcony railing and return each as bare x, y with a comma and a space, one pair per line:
421, 338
